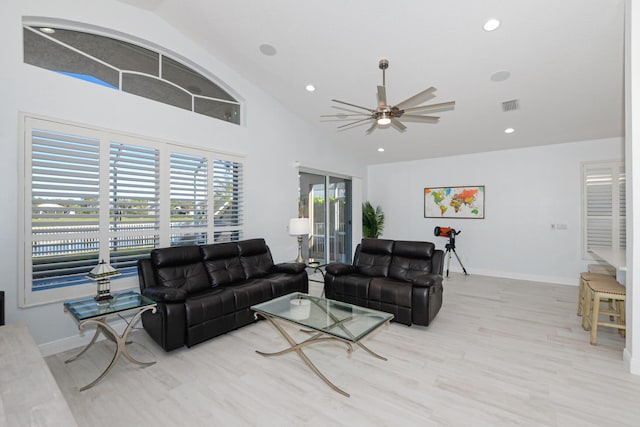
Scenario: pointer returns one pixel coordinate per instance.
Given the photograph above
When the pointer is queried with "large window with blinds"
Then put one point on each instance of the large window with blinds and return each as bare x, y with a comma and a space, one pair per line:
92, 194
603, 206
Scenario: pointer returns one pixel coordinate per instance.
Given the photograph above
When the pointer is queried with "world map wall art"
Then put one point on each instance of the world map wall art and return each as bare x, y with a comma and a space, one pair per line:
454, 202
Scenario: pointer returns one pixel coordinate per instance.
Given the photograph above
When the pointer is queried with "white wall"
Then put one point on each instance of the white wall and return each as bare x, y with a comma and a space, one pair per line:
272, 139
526, 190
632, 157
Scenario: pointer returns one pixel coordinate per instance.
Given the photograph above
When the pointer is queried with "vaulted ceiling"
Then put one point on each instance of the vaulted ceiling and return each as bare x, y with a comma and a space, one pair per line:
562, 59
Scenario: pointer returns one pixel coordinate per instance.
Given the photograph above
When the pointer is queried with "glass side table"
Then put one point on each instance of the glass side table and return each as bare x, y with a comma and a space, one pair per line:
86, 311
316, 265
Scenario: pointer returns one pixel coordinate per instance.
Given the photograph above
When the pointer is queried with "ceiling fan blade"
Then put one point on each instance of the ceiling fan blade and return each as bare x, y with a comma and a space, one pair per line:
353, 123
398, 125
443, 105
373, 127
423, 96
382, 96
353, 105
345, 115
421, 119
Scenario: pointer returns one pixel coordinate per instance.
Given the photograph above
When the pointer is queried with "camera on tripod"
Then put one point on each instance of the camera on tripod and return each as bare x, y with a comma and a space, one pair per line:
451, 233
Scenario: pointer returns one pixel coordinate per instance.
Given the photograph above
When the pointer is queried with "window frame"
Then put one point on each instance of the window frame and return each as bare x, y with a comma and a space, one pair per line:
30, 297
618, 201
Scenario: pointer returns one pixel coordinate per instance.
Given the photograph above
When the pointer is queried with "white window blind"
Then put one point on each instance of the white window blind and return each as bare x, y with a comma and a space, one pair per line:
227, 199
64, 172
189, 199
91, 194
604, 205
134, 204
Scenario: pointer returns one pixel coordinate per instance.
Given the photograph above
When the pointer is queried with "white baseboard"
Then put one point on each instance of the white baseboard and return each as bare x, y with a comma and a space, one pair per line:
559, 280
633, 363
80, 340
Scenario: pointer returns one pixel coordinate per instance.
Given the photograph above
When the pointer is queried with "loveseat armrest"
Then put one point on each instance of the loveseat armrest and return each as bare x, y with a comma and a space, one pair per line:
290, 267
165, 294
426, 280
339, 269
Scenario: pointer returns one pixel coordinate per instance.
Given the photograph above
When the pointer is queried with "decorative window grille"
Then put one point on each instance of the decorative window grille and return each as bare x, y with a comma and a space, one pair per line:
128, 67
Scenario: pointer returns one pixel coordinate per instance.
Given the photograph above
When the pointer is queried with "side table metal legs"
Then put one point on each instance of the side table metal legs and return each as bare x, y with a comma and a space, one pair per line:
120, 340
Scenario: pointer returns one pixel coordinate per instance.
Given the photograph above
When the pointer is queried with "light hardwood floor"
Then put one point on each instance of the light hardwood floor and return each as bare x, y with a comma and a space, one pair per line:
500, 353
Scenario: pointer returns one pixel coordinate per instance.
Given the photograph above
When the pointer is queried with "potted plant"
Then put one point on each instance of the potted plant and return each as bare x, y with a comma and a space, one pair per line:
372, 220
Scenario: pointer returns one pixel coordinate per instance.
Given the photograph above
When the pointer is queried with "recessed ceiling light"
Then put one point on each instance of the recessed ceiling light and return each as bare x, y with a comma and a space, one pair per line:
310, 88
491, 24
268, 49
509, 130
381, 149
47, 30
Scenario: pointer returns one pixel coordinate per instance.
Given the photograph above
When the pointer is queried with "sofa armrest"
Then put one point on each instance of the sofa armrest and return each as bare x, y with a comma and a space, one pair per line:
339, 269
290, 267
165, 294
426, 280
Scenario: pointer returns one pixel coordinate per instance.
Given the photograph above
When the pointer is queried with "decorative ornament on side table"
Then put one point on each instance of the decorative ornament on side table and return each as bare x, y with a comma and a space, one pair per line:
102, 273
299, 227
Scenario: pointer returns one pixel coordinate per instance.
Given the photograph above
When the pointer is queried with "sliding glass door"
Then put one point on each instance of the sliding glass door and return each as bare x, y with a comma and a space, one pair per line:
326, 201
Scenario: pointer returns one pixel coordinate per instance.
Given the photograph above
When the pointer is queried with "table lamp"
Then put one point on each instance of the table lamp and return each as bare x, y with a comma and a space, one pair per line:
299, 227
102, 273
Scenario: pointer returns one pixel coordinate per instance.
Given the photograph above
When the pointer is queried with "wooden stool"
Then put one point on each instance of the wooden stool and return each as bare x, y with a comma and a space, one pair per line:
597, 291
587, 277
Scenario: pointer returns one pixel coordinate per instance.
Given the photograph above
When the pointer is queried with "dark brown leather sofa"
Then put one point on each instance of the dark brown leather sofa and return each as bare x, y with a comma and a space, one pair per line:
399, 277
205, 291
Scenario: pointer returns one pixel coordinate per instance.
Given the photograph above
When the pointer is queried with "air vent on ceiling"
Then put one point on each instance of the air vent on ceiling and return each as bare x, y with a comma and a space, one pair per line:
512, 105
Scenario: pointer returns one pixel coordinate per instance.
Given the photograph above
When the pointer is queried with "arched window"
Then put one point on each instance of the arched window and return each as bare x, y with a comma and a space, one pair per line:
127, 67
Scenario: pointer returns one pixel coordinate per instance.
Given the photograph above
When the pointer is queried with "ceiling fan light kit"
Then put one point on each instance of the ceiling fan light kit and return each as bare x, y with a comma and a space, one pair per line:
385, 115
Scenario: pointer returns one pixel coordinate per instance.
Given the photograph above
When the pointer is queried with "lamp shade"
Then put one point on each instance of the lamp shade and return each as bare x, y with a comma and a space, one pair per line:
298, 226
102, 271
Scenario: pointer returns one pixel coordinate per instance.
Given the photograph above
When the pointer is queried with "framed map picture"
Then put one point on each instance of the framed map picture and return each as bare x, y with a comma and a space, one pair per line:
454, 202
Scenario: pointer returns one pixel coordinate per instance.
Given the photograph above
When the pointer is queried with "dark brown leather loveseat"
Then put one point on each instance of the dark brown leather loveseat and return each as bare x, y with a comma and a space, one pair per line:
205, 291
399, 277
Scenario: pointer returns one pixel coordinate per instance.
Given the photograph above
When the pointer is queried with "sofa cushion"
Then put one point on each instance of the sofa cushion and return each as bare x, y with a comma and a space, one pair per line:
180, 267
411, 260
255, 258
222, 263
286, 283
252, 292
391, 296
353, 288
374, 257
204, 306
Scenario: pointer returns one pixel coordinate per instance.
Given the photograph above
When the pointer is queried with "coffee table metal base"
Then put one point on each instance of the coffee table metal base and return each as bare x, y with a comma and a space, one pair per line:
317, 337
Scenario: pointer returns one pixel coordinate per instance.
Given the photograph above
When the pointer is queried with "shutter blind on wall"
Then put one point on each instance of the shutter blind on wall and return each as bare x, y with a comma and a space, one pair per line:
189, 196
92, 194
604, 205
227, 200
134, 201
65, 173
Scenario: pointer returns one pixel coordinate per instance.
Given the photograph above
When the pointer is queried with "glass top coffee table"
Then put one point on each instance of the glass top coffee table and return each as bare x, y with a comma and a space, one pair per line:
326, 319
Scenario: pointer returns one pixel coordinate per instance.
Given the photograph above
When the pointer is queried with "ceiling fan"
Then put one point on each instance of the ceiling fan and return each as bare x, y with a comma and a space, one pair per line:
385, 114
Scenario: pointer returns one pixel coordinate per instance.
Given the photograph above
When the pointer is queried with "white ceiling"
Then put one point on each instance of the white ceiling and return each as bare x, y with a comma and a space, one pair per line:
565, 58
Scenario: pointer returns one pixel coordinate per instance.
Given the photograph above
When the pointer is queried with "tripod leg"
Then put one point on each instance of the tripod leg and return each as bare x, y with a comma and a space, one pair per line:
458, 258
448, 260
